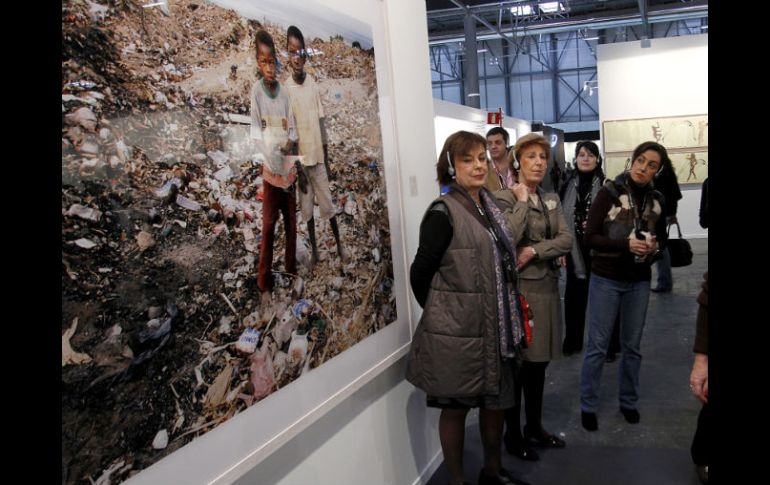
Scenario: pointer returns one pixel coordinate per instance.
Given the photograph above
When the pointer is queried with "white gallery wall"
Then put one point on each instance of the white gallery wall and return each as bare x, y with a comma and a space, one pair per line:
670, 78
451, 117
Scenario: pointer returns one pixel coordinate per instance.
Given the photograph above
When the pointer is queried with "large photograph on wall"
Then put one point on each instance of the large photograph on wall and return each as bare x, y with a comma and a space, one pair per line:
685, 139
225, 229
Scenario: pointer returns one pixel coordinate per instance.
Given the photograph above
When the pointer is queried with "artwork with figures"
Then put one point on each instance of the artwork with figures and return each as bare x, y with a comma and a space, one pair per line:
685, 138
691, 167
165, 166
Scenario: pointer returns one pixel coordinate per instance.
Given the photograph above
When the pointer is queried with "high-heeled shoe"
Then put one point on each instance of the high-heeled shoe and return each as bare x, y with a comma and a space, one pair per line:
544, 438
517, 448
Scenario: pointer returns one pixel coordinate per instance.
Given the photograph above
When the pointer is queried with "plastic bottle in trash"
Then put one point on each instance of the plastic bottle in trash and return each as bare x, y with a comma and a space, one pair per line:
298, 346
350, 205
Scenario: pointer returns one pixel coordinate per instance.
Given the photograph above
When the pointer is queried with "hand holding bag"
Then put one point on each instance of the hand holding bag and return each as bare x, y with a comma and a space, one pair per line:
679, 249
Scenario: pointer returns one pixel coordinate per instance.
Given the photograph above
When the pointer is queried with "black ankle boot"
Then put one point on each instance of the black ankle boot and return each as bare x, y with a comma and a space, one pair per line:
631, 415
589, 421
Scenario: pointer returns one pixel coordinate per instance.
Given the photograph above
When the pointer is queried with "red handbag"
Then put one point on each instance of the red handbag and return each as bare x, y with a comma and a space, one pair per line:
527, 319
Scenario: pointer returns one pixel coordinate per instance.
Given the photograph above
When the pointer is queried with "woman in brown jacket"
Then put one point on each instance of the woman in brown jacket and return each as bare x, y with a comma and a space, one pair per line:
545, 240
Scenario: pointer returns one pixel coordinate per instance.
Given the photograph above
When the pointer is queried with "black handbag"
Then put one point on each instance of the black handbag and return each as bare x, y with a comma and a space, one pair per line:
679, 249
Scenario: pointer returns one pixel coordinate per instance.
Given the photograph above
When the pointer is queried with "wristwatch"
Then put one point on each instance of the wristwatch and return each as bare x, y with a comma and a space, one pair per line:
534, 252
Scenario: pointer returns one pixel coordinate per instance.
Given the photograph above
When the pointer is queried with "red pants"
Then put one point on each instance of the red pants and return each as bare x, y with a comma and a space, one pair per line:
275, 200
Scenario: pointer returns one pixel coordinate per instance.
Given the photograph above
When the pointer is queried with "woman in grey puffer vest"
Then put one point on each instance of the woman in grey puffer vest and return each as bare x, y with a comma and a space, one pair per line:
470, 332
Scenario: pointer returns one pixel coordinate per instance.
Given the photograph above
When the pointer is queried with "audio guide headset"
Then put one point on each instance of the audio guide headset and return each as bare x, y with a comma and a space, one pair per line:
516, 165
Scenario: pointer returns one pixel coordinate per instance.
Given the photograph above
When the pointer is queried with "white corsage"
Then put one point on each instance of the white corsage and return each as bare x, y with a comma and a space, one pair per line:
550, 204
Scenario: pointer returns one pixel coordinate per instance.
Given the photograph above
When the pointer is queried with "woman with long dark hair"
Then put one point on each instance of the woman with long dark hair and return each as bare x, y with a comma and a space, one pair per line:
578, 192
626, 228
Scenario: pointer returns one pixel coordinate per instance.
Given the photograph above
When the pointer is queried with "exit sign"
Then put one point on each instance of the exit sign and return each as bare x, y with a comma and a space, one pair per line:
494, 117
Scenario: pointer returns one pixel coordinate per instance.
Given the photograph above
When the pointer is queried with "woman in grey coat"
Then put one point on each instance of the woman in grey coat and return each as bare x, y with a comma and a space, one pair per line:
545, 239
463, 275
578, 192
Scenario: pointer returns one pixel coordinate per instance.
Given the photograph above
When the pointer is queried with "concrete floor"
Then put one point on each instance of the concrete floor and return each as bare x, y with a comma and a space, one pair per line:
654, 452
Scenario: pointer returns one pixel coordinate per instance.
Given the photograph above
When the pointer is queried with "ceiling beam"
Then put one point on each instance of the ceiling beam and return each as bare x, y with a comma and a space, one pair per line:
618, 19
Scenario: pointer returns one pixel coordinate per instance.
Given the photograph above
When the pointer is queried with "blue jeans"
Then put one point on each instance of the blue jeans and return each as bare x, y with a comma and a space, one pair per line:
665, 281
607, 298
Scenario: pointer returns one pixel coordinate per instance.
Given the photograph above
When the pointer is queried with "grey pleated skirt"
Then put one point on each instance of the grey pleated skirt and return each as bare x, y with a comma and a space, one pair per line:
547, 335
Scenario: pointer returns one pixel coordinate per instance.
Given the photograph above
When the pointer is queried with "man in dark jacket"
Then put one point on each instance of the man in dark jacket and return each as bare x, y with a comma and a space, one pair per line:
667, 184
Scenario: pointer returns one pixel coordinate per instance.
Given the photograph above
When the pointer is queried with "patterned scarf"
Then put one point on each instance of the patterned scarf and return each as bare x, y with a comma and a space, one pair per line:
508, 306
509, 311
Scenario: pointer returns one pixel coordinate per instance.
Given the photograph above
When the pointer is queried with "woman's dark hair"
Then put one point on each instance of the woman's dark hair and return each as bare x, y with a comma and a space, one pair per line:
591, 147
458, 145
651, 145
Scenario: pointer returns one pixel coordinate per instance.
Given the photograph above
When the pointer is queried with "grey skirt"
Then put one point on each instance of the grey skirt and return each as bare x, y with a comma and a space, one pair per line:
543, 297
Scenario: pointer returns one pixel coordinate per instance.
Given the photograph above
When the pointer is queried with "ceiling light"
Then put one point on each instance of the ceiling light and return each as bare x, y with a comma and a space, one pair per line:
551, 7
591, 86
521, 10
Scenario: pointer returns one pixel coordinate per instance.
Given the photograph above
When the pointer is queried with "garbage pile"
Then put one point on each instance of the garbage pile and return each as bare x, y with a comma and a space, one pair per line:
163, 334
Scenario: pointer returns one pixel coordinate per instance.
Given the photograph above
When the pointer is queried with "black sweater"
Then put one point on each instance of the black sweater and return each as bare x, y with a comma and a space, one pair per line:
435, 236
